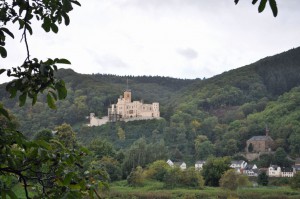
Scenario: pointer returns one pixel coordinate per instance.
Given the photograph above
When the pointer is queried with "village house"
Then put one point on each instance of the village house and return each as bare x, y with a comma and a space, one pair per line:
238, 165
241, 164
199, 164
297, 165
274, 171
250, 170
181, 165
287, 172
258, 144
170, 163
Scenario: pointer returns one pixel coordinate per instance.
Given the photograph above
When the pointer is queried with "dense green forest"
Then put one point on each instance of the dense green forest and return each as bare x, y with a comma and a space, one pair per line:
200, 117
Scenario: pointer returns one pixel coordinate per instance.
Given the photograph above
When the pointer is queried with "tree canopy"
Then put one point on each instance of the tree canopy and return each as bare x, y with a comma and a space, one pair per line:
57, 170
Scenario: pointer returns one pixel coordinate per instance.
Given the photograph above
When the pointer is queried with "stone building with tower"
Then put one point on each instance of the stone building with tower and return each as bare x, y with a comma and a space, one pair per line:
126, 109
258, 144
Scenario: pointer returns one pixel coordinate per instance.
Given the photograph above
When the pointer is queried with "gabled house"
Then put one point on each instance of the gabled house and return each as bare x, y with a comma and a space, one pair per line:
250, 170
181, 165
170, 163
238, 164
287, 172
199, 164
274, 171
296, 167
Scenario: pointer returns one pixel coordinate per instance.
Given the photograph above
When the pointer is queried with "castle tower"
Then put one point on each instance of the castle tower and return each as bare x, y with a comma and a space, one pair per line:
127, 95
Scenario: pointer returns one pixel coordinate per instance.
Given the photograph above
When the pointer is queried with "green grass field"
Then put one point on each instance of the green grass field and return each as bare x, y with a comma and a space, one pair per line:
154, 189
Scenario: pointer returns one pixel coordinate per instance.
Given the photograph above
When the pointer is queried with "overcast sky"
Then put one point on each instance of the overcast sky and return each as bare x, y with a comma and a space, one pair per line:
175, 38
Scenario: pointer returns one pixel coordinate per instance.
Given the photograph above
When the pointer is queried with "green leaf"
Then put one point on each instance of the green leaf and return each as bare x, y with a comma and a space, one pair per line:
236, 1
7, 32
28, 27
75, 187
67, 19
3, 194
54, 95
51, 101
54, 27
63, 61
273, 6
61, 89
13, 92
34, 99
2, 71
44, 144
22, 99
75, 2
3, 52
4, 112
262, 5
58, 143
11, 194
46, 24
21, 23
68, 178
67, 6
254, 2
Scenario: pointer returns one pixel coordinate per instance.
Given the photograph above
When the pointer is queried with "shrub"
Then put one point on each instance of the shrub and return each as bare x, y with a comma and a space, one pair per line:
263, 179
136, 178
295, 181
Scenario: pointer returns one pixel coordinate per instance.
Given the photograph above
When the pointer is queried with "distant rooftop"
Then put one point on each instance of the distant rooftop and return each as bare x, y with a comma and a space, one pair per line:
260, 138
237, 161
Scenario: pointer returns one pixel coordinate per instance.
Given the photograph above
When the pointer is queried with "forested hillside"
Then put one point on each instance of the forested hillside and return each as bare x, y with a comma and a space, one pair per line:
207, 117
92, 93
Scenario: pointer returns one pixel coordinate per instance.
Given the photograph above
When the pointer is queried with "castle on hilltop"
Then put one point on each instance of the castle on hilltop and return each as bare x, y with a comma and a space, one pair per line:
127, 110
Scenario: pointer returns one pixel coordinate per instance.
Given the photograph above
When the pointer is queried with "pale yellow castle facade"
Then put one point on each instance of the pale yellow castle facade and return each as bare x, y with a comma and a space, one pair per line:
125, 109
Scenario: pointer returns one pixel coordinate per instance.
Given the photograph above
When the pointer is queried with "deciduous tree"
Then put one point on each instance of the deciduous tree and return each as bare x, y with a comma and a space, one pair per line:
213, 169
229, 180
